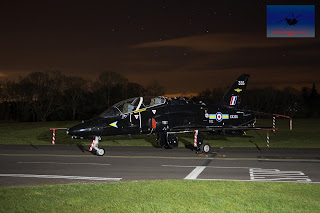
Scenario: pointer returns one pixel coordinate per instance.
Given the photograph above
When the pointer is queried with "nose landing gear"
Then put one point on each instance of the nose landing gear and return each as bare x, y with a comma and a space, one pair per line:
94, 147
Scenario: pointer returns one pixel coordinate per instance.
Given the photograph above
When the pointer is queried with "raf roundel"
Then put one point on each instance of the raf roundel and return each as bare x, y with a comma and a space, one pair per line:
219, 116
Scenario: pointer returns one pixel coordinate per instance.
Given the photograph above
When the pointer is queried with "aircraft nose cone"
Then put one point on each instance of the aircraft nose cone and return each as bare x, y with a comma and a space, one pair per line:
83, 129
72, 131
75, 130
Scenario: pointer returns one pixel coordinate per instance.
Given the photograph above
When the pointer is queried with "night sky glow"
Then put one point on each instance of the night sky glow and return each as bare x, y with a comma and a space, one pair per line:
187, 46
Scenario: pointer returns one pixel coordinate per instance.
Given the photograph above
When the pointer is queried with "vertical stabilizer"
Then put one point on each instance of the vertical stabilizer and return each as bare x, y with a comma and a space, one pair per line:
234, 95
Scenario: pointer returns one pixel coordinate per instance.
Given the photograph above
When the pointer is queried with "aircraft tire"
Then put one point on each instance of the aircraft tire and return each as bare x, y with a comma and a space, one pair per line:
164, 141
100, 152
172, 141
205, 148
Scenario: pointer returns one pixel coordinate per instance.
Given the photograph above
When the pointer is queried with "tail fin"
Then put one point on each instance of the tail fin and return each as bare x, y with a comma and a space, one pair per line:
234, 95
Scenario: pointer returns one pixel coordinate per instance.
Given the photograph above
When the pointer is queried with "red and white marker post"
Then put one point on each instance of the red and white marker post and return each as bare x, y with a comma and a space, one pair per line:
195, 144
274, 125
283, 116
54, 134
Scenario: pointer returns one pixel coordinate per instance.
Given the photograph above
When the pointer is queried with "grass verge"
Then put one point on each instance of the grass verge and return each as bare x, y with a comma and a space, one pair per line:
305, 134
164, 196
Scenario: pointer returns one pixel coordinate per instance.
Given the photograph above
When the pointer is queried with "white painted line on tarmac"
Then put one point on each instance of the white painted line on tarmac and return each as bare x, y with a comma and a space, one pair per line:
277, 175
95, 164
289, 179
257, 181
195, 173
256, 174
215, 167
108, 156
60, 177
179, 166
165, 157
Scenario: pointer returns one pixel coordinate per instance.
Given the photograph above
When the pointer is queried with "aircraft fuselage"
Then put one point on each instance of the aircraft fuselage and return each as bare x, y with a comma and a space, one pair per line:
172, 115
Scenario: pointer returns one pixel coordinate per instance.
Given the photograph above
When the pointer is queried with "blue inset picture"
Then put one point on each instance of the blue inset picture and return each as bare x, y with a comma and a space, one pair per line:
291, 21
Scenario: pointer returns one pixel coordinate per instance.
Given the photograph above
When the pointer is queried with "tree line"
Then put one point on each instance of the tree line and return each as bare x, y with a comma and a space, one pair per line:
51, 96
304, 103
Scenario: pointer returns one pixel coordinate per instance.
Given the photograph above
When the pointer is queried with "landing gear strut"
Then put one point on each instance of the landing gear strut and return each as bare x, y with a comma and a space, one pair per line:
94, 147
168, 140
198, 143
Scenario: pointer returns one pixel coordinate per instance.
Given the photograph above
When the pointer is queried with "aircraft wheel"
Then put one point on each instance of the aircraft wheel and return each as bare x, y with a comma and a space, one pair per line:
172, 141
100, 152
205, 148
164, 141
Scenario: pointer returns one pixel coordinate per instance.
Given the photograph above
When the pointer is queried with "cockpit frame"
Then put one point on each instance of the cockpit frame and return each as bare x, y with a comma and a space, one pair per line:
132, 105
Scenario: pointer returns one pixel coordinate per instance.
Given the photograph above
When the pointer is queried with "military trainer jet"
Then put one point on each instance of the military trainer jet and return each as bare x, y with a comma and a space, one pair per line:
167, 117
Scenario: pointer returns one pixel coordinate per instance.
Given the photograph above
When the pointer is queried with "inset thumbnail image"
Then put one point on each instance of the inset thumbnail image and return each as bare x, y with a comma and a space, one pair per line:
291, 21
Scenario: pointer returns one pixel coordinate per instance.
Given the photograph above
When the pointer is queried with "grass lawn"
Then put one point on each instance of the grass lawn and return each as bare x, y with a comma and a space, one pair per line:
305, 134
164, 196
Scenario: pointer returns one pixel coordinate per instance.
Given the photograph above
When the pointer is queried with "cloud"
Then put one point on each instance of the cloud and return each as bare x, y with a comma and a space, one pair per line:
234, 51
215, 60
225, 42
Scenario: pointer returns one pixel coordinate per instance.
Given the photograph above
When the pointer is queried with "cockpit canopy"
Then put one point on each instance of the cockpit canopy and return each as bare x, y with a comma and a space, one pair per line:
132, 105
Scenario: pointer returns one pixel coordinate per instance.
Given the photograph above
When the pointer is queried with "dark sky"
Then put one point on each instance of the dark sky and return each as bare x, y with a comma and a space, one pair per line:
186, 45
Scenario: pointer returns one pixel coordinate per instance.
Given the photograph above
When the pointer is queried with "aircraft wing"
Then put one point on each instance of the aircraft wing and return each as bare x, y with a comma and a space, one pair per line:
217, 128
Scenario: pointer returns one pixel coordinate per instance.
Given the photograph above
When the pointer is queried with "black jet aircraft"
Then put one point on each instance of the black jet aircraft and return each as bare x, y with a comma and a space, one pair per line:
291, 21
168, 116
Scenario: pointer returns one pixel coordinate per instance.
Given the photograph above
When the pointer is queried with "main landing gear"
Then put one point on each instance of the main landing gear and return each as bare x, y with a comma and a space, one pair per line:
205, 148
170, 140
94, 147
